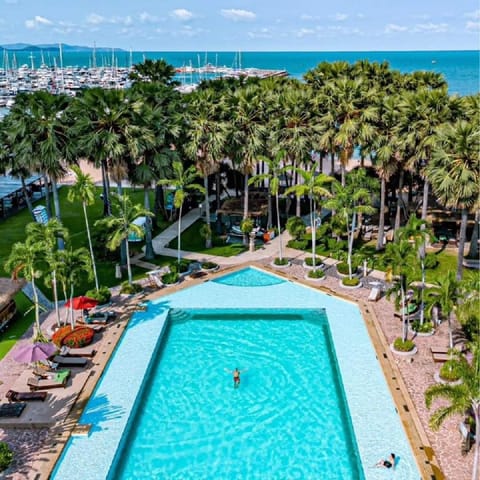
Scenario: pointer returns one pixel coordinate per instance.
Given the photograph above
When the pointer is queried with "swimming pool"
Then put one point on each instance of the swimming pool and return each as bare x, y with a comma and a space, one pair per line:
370, 406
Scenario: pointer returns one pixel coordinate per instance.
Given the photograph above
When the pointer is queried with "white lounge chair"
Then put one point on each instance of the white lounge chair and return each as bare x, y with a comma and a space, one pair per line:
375, 294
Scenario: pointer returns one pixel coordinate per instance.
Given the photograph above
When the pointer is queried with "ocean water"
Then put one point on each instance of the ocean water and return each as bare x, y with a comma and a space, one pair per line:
460, 68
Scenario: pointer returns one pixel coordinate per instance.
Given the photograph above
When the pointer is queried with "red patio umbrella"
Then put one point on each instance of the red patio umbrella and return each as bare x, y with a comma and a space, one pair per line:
82, 303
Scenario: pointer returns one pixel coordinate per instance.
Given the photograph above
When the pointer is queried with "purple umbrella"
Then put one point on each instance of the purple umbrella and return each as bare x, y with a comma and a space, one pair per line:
34, 352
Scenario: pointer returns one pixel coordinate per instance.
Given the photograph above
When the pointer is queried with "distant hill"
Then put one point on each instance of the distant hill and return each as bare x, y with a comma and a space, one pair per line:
22, 47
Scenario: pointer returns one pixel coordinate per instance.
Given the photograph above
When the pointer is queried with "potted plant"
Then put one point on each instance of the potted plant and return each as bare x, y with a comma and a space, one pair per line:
102, 295
449, 372
281, 262
170, 278
308, 263
209, 266
422, 329
128, 288
403, 347
317, 274
353, 282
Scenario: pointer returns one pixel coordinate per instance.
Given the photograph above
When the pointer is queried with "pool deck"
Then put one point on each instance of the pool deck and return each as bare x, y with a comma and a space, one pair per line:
37, 448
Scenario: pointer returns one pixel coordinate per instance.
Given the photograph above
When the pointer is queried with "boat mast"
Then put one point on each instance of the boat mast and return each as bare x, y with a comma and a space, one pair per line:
61, 69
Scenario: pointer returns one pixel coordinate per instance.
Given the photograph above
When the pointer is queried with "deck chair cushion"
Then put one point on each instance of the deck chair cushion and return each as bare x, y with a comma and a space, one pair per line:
12, 409
13, 396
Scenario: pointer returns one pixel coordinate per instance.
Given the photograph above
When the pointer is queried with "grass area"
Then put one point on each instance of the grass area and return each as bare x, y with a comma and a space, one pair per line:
18, 325
192, 241
13, 230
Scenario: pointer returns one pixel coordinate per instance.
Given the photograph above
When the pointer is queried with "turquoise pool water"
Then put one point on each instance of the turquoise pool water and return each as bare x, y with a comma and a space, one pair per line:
127, 382
288, 419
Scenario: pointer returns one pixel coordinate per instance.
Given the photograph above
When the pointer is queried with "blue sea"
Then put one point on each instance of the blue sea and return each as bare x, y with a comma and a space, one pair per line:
461, 69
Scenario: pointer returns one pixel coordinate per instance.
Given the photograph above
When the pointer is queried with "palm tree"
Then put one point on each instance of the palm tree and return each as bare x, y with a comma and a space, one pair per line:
73, 267
183, 181
49, 233
25, 261
121, 224
461, 398
206, 138
314, 186
446, 292
455, 174
84, 190
401, 257
276, 168
415, 231
154, 71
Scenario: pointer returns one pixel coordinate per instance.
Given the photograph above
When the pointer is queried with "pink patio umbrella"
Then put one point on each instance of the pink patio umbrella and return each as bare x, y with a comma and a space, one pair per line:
34, 352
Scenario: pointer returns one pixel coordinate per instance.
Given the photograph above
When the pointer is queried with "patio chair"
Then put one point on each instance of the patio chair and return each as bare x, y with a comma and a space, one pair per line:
77, 352
13, 396
59, 380
12, 409
375, 294
69, 361
46, 373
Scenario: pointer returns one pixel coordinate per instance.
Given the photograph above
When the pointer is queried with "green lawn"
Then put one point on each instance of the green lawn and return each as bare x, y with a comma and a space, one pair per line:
19, 324
13, 230
192, 241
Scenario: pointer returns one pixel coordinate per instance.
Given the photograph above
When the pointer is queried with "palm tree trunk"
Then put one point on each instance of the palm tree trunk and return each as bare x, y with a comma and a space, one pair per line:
48, 200
37, 333
426, 188
179, 234
350, 244
313, 224
92, 256
72, 316
473, 250
27, 198
129, 268
245, 207
450, 333
381, 217
106, 190
461, 243
159, 203
55, 295
149, 252
279, 231
399, 203
404, 308
56, 203
208, 239
269, 214
332, 163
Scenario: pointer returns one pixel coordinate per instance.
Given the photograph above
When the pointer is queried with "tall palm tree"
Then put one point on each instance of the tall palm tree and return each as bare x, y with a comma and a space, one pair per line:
184, 182
121, 223
49, 233
206, 138
276, 168
446, 292
154, 71
74, 267
314, 187
83, 190
455, 174
25, 260
460, 398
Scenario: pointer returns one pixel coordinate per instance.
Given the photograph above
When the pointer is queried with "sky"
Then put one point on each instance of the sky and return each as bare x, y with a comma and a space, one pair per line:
239, 25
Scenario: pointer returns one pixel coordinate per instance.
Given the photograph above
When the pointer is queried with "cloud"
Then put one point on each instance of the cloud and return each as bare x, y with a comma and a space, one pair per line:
472, 26
182, 14
238, 15
11, 2
394, 28
95, 19
474, 15
37, 22
431, 27
145, 17
340, 17
262, 33
305, 32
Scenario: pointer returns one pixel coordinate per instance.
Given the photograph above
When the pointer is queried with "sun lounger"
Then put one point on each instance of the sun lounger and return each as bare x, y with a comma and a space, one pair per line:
375, 294
69, 361
77, 352
59, 380
441, 357
99, 319
12, 409
13, 396
95, 327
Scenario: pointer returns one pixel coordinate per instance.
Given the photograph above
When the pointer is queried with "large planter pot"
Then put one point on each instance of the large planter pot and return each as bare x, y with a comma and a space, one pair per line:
350, 287
210, 270
422, 334
439, 379
274, 265
400, 353
310, 267
315, 279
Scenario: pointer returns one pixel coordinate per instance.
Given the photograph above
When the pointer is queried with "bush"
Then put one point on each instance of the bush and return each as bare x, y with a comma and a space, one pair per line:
181, 267
342, 268
309, 262
280, 261
350, 282
296, 227
246, 226
431, 260
427, 327
102, 296
297, 244
6, 456
130, 288
209, 265
449, 371
318, 273
80, 337
60, 334
403, 346
169, 278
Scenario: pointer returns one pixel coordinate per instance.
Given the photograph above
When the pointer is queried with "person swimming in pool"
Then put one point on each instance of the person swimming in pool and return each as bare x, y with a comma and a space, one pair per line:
236, 377
390, 463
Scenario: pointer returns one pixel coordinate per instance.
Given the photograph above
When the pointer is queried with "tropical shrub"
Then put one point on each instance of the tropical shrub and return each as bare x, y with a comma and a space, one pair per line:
309, 262
247, 226
103, 294
6, 456
342, 268
209, 265
295, 227
431, 260
298, 244
426, 327
281, 261
80, 337
170, 277
318, 273
403, 345
450, 371
350, 282
130, 288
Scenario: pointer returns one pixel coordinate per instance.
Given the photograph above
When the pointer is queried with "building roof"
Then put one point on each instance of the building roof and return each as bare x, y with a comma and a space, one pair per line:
8, 288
